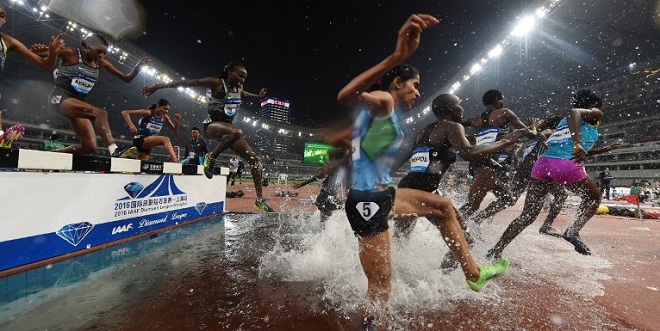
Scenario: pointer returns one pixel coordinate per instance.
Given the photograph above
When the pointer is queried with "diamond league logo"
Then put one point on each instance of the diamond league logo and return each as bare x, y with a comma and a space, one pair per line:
199, 207
74, 233
163, 186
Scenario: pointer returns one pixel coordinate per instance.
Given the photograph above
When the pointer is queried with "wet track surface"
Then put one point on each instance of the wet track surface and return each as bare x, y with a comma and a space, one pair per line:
288, 272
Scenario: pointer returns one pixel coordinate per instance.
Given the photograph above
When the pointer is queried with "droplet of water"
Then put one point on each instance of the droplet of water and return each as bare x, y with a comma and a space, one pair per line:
557, 320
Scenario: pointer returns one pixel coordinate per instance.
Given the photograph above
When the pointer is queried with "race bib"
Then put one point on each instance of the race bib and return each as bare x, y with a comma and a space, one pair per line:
486, 136
82, 83
230, 110
421, 159
191, 154
561, 136
367, 209
232, 103
154, 128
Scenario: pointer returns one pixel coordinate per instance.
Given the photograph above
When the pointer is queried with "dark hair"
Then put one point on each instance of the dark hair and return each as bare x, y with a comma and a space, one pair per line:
440, 103
403, 71
491, 96
586, 99
159, 103
94, 39
194, 128
229, 67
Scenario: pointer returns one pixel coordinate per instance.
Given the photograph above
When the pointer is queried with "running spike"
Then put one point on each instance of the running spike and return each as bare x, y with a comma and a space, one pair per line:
129, 152
486, 273
580, 247
209, 164
12, 134
261, 204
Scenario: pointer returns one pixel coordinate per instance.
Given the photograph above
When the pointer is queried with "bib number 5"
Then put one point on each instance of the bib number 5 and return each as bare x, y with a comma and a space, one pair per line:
367, 209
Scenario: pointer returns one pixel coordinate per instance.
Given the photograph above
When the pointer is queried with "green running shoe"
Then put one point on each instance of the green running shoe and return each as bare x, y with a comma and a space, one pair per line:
261, 204
486, 273
209, 164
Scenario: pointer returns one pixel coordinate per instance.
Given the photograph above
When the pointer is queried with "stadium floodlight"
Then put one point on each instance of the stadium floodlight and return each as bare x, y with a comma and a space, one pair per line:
456, 86
496, 51
475, 68
524, 26
541, 12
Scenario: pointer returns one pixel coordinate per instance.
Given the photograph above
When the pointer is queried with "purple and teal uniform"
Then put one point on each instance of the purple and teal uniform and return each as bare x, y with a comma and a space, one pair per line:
556, 164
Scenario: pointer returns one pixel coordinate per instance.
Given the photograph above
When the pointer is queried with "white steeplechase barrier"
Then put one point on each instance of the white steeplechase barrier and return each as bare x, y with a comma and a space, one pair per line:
55, 205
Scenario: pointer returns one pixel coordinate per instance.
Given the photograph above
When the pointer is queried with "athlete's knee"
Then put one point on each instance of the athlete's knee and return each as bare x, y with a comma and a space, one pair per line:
234, 134
443, 208
100, 113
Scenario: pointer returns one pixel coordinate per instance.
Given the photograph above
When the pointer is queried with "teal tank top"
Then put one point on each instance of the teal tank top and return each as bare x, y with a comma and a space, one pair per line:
560, 143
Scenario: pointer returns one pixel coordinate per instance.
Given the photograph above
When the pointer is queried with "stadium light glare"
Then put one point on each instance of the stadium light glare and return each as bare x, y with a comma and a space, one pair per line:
475, 68
524, 26
541, 12
496, 51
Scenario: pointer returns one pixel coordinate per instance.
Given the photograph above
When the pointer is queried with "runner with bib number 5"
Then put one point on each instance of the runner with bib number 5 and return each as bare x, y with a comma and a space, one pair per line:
376, 140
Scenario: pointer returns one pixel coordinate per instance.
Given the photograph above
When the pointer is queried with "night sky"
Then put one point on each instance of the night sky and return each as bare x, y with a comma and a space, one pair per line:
305, 51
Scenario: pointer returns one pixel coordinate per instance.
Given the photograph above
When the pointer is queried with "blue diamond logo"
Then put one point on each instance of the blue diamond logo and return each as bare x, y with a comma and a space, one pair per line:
133, 188
200, 207
74, 233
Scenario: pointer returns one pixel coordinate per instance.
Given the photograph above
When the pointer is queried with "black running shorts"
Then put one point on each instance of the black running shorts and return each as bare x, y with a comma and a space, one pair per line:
368, 211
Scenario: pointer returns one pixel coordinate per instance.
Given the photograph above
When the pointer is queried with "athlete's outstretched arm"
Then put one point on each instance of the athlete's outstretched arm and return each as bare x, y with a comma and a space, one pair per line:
470, 152
126, 78
355, 92
126, 115
173, 126
211, 82
47, 61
